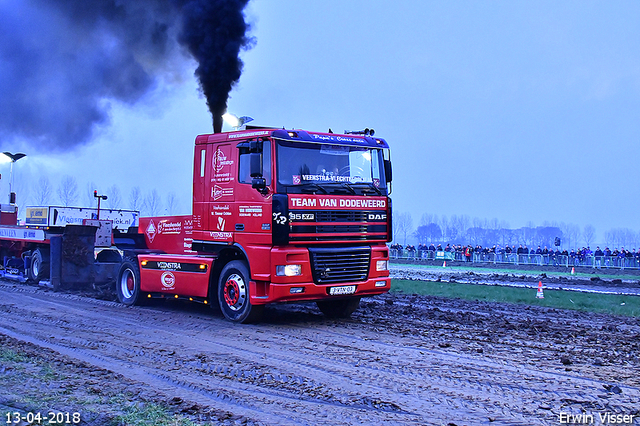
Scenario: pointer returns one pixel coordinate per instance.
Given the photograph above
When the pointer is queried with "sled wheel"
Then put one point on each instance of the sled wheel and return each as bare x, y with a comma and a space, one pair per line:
39, 268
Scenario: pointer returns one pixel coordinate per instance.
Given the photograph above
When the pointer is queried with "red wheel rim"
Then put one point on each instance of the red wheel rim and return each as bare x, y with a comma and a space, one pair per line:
235, 292
231, 292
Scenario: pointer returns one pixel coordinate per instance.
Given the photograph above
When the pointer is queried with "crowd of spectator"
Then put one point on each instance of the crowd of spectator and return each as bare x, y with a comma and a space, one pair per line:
511, 254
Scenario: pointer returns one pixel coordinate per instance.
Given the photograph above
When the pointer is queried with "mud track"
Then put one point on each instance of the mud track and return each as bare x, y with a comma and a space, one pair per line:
401, 359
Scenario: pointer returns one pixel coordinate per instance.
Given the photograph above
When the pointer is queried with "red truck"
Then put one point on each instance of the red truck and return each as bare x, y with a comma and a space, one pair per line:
278, 216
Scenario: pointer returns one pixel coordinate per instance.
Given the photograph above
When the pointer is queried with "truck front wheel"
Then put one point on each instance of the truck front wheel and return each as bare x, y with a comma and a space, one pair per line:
341, 308
233, 294
128, 283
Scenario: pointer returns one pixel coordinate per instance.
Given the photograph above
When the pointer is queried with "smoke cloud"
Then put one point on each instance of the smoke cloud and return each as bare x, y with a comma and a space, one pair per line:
214, 32
62, 62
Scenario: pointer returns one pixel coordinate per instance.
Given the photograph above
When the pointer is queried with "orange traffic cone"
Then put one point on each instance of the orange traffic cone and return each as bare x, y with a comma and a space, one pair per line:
573, 270
444, 264
540, 294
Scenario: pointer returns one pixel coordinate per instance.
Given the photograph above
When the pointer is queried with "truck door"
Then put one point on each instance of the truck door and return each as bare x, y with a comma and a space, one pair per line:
252, 209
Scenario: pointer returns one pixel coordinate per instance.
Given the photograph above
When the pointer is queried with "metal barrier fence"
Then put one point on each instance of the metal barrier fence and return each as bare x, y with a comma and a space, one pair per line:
521, 259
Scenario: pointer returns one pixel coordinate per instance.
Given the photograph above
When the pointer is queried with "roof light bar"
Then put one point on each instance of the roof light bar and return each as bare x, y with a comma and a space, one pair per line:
365, 132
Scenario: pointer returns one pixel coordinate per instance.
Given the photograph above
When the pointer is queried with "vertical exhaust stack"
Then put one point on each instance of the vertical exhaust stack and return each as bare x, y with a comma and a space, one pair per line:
217, 124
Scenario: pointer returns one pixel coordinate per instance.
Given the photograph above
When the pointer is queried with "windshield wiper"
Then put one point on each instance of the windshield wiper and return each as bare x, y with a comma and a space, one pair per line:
340, 187
375, 189
367, 187
349, 187
313, 186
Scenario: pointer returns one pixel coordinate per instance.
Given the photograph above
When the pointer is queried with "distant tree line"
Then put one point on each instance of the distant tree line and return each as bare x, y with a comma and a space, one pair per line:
67, 193
462, 229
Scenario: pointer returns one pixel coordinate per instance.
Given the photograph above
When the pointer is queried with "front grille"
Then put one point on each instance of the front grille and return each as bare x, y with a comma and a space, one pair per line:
328, 229
332, 229
339, 265
317, 226
340, 216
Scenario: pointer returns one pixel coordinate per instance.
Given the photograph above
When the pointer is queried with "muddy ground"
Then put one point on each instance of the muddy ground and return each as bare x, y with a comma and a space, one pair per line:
401, 359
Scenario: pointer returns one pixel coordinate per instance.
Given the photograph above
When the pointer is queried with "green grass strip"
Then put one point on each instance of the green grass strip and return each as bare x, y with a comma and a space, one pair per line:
12, 356
150, 415
561, 299
586, 273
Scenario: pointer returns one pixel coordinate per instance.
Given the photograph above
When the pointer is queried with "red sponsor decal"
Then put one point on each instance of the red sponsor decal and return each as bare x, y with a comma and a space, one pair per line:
151, 231
168, 280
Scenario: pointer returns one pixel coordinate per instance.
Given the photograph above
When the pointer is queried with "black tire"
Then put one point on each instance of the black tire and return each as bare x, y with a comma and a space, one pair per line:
341, 308
39, 266
233, 294
128, 283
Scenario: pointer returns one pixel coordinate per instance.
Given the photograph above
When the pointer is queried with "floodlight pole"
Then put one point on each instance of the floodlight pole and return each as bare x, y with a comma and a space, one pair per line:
13, 158
99, 197
10, 180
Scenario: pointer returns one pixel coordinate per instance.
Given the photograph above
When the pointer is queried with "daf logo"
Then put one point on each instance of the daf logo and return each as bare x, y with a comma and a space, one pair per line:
377, 216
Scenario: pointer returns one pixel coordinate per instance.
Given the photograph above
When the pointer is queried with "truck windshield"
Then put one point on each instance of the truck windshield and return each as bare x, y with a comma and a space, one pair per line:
330, 167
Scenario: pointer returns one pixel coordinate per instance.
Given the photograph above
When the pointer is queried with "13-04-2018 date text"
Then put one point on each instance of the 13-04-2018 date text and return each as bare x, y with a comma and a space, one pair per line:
37, 418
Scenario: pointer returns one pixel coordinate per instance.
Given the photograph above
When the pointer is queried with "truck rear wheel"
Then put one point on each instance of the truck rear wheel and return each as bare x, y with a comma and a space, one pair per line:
341, 308
39, 267
233, 294
128, 283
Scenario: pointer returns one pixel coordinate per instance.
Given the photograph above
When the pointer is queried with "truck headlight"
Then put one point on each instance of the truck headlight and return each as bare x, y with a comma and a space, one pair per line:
288, 270
382, 265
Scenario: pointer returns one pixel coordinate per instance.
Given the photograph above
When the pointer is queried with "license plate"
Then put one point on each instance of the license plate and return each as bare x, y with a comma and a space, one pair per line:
345, 289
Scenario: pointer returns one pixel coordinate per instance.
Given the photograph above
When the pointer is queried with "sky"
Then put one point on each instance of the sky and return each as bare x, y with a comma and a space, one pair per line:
528, 112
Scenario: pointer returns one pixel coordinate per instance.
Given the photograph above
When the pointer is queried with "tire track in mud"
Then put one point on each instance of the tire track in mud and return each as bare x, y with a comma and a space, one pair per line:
298, 368
331, 369
538, 387
590, 387
539, 335
117, 357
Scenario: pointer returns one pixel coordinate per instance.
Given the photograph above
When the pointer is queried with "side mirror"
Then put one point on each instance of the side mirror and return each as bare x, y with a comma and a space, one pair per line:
255, 164
387, 170
260, 184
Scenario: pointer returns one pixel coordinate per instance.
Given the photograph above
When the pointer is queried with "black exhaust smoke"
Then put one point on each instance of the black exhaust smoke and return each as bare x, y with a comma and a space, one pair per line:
215, 32
63, 62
